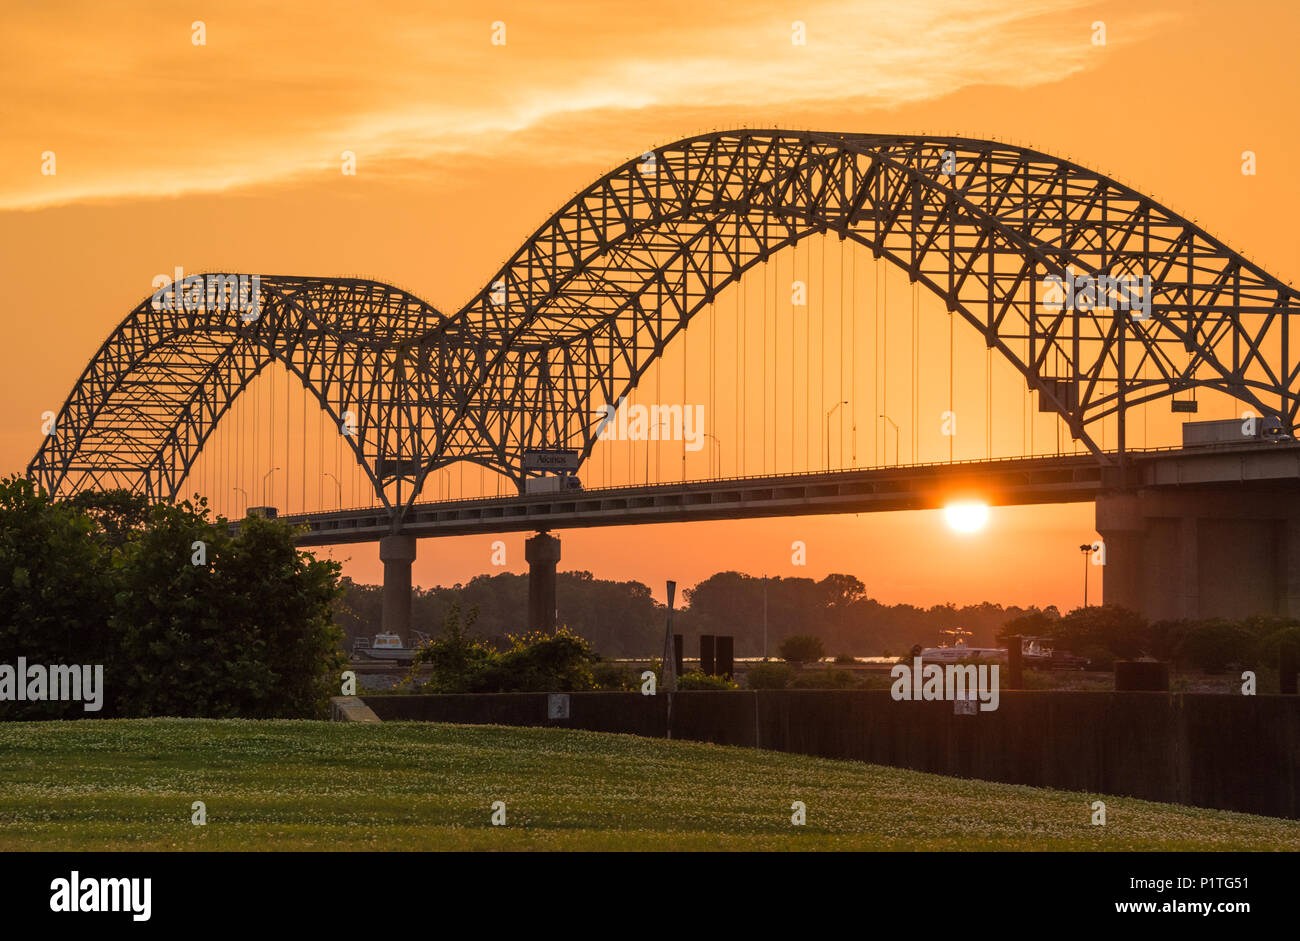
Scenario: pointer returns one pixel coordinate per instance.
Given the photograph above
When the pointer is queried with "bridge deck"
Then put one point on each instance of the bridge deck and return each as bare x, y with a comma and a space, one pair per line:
1017, 481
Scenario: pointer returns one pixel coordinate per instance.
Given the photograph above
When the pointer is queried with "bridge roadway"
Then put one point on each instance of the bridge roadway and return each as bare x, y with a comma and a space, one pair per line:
1016, 481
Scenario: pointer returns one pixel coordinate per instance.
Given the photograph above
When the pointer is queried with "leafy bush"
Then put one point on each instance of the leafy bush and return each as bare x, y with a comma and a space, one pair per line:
534, 663
56, 590
697, 680
107, 579
1102, 633
1212, 645
608, 675
824, 679
769, 675
1268, 648
802, 648
455, 657
538, 662
845, 658
250, 633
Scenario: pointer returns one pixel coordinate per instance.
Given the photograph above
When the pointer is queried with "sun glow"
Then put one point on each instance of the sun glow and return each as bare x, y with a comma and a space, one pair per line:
966, 517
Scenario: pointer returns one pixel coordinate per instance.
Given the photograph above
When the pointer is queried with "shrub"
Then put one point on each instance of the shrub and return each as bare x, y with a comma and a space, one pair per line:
1102, 633
769, 675
608, 675
697, 680
248, 634
538, 662
455, 657
845, 658
535, 663
1212, 645
824, 679
1268, 648
802, 648
108, 579
56, 590
1098, 657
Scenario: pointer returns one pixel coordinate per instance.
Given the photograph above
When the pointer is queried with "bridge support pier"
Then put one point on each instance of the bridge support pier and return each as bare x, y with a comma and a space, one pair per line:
397, 553
1202, 553
543, 553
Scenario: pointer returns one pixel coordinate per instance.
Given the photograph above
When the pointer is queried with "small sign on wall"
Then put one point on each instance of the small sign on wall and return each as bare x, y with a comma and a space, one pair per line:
557, 706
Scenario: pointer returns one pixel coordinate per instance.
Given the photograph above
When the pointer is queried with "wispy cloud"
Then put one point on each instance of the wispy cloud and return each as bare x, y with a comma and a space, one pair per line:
132, 108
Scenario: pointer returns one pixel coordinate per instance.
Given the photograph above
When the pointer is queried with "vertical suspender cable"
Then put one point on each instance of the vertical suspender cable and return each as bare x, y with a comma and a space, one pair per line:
853, 348
952, 418
807, 357
988, 403
821, 343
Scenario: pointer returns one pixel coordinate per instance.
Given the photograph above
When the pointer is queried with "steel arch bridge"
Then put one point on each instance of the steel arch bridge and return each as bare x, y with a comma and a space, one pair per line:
573, 320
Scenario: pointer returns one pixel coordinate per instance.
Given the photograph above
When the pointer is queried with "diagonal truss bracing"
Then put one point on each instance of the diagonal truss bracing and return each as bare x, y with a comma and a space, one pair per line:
573, 320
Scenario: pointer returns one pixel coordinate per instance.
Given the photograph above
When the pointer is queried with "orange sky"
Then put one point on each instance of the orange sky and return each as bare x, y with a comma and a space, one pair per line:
226, 157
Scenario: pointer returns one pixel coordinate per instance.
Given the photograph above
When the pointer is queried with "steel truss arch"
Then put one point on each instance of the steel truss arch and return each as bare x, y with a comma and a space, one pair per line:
980, 223
573, 320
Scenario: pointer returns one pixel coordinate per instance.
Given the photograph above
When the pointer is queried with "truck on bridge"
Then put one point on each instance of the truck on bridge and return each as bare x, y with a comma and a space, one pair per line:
552, 483
1251, 430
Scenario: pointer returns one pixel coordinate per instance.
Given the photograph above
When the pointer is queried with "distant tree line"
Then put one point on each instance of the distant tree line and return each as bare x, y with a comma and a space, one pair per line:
1105, 633
621, 619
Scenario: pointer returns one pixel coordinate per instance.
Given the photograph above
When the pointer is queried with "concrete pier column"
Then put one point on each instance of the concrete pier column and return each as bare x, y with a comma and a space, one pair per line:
397, 553
1123, 531
1202, 552
543, 554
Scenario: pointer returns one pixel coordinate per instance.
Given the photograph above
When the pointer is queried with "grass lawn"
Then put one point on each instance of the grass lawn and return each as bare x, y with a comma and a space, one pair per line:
129, 784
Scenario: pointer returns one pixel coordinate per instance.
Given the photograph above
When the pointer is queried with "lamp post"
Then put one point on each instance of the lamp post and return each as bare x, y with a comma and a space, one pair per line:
892, 422
337, 485
1085, 549
265, 477
828, 431
658, 427
717, 443
245, 493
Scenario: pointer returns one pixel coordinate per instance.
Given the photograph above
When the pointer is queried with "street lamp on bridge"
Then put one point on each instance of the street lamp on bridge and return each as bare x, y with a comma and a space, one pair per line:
828, 431
265, 476
337, 485
895, 424
717, 443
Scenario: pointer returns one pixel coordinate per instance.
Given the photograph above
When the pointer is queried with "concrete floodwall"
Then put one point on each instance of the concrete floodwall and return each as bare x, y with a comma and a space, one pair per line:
1228, 752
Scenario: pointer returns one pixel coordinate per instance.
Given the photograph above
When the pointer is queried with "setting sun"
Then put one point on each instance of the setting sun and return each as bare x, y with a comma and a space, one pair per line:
966, 517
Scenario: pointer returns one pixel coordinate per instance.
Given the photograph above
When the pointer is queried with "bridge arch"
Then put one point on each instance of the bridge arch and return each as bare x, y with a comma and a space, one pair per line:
573, 320
598, 292
158, 387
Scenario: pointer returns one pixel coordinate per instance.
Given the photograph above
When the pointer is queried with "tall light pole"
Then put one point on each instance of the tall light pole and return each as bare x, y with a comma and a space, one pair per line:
1085, 549
828, 431
340, 489
245, 493
717, 443
658, 428
264, 479
892, 422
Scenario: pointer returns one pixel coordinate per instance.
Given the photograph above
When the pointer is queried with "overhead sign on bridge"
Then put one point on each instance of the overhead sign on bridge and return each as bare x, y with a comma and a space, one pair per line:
555, 460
